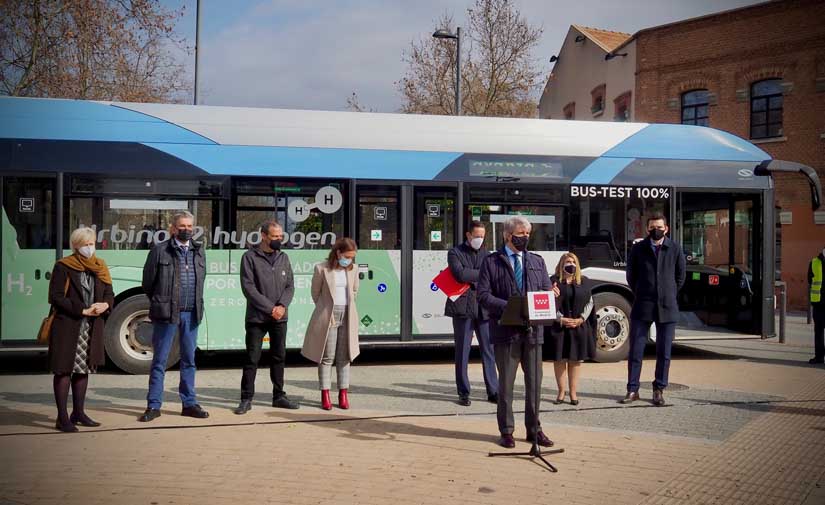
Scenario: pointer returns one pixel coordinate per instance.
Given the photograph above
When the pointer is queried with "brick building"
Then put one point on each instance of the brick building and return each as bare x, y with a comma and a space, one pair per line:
763, 70
759, 73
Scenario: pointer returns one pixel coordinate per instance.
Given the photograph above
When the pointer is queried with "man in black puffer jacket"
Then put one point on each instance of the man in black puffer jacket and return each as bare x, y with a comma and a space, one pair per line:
173, 279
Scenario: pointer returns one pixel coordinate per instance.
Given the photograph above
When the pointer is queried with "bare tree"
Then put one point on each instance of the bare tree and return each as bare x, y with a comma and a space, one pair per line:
499, 76
354, 104
91, 49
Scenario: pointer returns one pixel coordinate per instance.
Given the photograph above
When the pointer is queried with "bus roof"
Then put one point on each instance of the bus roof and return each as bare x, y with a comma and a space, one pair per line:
256, 141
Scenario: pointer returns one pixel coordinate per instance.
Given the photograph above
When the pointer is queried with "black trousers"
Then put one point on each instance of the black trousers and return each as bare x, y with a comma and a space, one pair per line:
819, 329
277, 350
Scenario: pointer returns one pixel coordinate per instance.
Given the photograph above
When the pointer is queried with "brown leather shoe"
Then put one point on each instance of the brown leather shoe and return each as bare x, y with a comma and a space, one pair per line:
658, 398
507, 441
630, 397
541, 440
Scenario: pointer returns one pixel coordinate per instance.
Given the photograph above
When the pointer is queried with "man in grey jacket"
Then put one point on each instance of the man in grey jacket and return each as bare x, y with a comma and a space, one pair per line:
267, 283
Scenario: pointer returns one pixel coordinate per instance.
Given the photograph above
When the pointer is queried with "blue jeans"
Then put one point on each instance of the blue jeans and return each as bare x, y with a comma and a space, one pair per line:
463, 334
163, 335
638, 339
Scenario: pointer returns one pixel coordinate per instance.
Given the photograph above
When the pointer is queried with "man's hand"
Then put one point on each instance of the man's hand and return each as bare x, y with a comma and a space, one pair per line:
278, 312
556, 290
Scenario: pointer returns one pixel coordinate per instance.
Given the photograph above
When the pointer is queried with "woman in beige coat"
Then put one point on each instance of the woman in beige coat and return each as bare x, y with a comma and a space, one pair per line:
332, 334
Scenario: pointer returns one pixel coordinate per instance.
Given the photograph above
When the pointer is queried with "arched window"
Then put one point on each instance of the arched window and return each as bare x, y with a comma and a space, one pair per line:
695, 107
570, 111
766, 109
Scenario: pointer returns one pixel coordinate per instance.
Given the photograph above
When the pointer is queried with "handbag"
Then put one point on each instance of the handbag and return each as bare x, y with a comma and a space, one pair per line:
46, 325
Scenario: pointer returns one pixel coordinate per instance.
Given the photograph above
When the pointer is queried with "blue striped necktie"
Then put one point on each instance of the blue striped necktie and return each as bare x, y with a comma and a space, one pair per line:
518, 272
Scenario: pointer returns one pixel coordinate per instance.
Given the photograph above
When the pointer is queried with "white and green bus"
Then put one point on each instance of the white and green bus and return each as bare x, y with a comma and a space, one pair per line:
404, 186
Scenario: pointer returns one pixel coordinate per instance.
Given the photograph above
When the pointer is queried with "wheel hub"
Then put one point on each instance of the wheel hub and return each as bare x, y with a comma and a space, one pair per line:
612, 328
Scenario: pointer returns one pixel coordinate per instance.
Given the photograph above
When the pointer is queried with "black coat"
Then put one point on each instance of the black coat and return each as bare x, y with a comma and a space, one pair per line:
161, 282
68, 315
266, 285
655, 282
465, 264
497, 282
580, 342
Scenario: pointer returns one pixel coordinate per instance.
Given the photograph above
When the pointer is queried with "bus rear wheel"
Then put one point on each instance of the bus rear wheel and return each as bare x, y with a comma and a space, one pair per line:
128, 337
612, 327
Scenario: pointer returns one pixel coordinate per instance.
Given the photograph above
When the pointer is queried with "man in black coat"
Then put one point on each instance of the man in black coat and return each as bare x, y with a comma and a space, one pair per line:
465, 262
173, 278
655, 274
512, 270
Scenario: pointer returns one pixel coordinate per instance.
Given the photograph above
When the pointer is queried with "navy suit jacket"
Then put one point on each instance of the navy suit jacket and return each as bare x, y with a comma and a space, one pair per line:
656, 280
497, 282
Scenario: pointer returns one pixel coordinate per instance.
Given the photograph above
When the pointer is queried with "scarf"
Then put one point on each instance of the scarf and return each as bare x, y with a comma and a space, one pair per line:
94, 264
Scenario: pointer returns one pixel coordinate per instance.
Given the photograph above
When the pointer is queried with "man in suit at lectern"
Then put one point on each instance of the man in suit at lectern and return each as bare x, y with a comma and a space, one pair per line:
514, 271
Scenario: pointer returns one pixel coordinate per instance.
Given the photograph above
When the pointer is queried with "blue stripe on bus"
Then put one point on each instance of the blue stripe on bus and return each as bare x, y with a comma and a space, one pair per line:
683, 142
86, 121
312, 162
602, 170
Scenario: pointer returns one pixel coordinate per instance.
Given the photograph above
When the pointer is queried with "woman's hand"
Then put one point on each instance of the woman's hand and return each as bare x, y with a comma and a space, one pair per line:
570, 322
89, 312
101, 307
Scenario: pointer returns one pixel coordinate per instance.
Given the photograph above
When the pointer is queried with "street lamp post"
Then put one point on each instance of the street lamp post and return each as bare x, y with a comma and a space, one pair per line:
446, 34
197, 45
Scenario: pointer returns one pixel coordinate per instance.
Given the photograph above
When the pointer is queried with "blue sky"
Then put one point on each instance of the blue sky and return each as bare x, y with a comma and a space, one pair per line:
312, 54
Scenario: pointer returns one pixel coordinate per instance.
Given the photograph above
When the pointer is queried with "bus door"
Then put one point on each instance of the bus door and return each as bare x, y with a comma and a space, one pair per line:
378, 234
29, 242
434, 235
720, 234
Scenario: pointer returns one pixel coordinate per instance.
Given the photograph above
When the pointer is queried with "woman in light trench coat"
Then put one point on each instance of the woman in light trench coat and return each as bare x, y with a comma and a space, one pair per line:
332, 333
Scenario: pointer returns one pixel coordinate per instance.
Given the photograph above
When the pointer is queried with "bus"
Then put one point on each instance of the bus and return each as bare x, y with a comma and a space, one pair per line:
404, 186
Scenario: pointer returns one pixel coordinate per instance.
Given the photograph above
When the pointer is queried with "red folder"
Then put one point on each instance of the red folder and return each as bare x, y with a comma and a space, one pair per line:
448, 285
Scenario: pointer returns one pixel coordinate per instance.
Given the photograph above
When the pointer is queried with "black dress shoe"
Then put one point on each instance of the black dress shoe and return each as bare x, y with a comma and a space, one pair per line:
816, 361
464, 401
630, 397
507, 441
283, 402
658, 397
493, 398
541, 440
149, 415
194, 411
84, 420
65, 428
243, 407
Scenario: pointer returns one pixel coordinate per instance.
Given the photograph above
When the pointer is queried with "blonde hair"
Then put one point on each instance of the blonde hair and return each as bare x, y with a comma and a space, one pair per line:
81, 236
561, 274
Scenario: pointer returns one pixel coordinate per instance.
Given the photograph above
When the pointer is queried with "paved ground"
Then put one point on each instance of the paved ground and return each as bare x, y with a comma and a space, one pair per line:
746, 424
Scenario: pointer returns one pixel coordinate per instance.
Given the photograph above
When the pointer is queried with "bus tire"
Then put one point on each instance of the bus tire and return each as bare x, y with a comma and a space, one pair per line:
612, 330
128, 337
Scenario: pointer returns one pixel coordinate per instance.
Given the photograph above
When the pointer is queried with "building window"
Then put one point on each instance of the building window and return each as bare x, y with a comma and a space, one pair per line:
621, 106
766, 109
695, 107
597, 95
570, 111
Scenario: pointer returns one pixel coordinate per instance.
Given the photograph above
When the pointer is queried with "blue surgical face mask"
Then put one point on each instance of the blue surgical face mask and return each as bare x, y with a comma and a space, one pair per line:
344, 262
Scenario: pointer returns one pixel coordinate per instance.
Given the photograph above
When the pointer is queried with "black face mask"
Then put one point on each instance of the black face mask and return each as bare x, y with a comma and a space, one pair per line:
184, 235
570, 269
275, 245
656, 234
520, 243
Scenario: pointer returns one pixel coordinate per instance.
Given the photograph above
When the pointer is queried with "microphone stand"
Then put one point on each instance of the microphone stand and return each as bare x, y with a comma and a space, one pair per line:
535, 451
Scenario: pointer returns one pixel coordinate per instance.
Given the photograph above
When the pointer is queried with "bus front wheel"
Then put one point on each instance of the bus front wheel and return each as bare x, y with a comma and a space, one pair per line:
128, 337
612, 327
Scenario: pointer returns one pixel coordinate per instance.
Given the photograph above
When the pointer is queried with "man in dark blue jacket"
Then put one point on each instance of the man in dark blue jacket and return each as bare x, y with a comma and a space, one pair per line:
512, 270
655, 274
465, 262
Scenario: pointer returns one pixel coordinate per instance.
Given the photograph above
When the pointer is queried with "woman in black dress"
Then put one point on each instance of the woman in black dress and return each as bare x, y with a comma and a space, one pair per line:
571, 336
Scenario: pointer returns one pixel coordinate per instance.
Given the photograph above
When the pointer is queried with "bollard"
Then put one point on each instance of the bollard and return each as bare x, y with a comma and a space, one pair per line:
783, 309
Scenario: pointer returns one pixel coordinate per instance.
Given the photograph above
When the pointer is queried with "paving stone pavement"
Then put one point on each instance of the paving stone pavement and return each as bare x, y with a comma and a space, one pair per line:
748, 428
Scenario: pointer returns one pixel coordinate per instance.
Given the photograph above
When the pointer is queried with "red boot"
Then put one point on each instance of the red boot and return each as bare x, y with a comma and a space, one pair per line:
343, 401
326, 404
